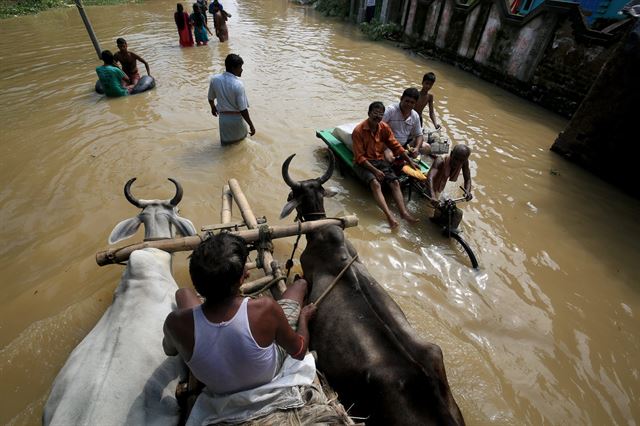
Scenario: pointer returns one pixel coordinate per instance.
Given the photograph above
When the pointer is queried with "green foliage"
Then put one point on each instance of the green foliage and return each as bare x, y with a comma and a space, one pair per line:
27, 7
10, 8
108, 2
376, 30
339, 8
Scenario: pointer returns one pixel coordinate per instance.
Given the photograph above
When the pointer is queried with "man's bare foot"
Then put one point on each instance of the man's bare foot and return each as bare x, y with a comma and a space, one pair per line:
406, 216
393, 223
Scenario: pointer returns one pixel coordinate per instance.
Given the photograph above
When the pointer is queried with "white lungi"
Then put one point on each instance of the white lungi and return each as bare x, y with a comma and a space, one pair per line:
232, 128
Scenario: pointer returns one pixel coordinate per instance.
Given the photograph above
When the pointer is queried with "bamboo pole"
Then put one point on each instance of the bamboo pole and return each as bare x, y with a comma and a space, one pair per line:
251, 286
264, 283
225, 218
243, 204
277, 273
229, 225
87, 24
225, 212
252, 223
172, 245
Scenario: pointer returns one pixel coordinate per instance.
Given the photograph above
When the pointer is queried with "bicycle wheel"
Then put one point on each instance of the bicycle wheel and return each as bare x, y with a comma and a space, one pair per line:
465, 246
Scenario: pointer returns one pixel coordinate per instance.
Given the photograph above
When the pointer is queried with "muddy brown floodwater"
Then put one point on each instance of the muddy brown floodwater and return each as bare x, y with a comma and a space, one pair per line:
546, 332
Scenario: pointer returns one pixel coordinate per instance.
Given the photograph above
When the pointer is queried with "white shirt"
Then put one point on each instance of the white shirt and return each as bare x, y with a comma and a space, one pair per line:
228, 89
403, 129
371, 3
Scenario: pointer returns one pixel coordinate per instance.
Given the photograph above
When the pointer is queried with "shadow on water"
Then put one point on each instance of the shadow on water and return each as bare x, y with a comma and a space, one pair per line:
601, 213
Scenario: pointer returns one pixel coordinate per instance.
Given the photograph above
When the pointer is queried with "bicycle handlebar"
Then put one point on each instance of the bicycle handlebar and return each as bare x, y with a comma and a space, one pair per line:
455, 200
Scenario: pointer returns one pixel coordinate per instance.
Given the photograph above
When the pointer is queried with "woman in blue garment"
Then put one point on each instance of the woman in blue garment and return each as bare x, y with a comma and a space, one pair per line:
200, 28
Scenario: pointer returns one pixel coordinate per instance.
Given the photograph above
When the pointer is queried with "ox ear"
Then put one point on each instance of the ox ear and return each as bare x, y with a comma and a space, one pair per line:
183, 226
124, 229
330, 192
289, 207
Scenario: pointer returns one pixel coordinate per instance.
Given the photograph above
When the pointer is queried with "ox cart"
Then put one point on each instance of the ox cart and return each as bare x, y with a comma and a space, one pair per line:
338, 140
119, 373
370, 354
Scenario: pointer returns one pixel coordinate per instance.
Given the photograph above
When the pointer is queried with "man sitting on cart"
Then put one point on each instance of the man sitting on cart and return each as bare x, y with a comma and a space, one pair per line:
447, 168
370, 139
229, 342
406, 124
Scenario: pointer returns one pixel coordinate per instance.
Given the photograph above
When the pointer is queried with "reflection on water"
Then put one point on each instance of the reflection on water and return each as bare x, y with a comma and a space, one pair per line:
544, 332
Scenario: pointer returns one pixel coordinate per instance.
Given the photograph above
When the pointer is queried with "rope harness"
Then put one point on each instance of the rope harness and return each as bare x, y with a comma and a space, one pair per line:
263, 243
335, 281
289, 264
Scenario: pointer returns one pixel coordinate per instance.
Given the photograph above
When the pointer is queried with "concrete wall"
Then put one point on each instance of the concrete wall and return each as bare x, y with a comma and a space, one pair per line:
603, 136
549, 56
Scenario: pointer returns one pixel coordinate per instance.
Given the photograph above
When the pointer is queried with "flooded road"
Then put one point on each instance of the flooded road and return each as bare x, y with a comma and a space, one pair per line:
546, 332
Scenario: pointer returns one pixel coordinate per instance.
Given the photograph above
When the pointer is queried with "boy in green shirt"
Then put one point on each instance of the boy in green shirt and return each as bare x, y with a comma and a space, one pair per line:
112, 77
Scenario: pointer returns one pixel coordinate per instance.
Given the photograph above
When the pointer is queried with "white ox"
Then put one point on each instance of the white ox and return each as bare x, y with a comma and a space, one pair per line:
119, 373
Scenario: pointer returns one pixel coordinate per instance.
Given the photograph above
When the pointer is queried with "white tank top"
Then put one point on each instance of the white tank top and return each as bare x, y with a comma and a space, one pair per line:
226, 357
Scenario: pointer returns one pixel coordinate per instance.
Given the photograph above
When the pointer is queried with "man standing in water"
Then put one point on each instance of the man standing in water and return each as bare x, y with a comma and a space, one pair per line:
370, 138
128, 62
370, 10
447, 168
232, 105
220, 23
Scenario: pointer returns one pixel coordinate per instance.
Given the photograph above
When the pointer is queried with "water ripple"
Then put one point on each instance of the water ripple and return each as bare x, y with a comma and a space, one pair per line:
543, 332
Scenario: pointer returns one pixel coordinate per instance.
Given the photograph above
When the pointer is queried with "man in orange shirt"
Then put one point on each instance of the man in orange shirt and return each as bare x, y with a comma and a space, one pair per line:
370, 139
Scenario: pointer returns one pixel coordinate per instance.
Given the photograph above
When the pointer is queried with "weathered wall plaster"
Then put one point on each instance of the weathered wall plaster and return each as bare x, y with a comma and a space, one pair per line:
548, 56
411, 17
488, 38
469, 26
602, 136
432, 20
443, 25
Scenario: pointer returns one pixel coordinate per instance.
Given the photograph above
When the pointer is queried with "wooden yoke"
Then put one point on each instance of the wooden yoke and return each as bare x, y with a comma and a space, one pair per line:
172, 245
258, 232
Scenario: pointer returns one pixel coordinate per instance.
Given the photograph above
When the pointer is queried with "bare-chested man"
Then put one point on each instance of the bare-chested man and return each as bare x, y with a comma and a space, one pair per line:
128, 62
447, 168
426, 98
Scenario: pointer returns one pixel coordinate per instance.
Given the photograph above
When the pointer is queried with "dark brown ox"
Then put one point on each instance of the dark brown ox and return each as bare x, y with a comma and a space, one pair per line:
365, 345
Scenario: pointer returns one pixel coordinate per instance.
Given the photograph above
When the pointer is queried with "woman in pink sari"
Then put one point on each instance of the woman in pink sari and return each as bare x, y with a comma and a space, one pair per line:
184, 26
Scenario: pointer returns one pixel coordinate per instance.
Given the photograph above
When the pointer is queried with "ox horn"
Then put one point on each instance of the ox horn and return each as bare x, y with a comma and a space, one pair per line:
127, 193
285, 174
178, 197
325, 177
